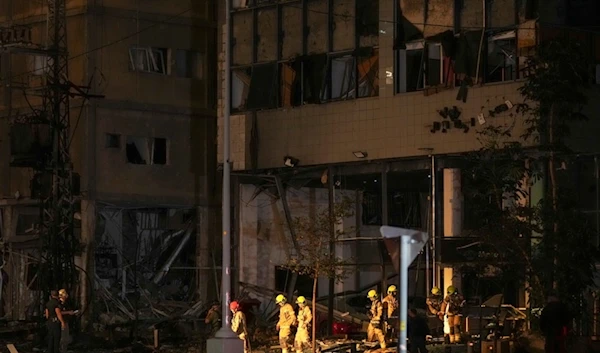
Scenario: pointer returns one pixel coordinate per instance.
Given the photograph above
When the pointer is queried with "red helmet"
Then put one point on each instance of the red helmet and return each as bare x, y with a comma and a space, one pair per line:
234, 305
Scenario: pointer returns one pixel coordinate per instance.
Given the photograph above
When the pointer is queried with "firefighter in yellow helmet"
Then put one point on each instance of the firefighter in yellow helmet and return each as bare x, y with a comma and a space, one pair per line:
238, 324
434, 303
287, 319
452, 307
374, 331
390, 305
302, 340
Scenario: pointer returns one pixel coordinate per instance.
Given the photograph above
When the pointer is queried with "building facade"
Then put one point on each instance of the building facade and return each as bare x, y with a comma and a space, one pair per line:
144, 146
379, 98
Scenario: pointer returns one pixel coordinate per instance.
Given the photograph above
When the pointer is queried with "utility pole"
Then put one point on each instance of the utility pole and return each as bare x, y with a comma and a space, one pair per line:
225, 340
53, 182
58, 239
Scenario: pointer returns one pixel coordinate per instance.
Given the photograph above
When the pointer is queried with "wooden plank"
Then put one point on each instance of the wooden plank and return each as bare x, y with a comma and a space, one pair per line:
11, 348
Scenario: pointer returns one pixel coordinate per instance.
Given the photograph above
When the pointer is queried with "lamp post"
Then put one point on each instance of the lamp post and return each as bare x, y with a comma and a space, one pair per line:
225, 340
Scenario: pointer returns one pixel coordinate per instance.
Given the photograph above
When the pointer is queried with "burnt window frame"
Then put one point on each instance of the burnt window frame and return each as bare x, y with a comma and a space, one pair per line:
423, 77
296, 89
499, 36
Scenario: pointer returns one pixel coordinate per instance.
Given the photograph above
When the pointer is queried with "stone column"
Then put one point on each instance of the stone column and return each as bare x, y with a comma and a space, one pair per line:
86, 259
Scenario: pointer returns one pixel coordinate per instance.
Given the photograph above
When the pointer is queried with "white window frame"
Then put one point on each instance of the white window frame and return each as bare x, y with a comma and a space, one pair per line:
150, 54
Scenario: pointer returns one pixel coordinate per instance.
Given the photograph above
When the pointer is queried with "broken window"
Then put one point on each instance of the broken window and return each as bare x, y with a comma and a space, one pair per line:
289, 75
367, 22
28, 221
113, 141
189, 64
341, 82
262, 91
159, 151
266, 29
410, 63
344, 23
240, 84
148, 59
435, 65
29, 144
314, 69
137, 150
501, 58
368, 74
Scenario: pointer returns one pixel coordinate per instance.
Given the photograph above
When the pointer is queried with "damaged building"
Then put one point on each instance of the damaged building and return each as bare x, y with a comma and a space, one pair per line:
378, 100
142, 146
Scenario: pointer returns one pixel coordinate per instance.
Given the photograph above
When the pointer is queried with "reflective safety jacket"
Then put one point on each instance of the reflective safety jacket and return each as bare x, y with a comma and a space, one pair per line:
287, 316
304, 318
238, 323
376, 311
392, 304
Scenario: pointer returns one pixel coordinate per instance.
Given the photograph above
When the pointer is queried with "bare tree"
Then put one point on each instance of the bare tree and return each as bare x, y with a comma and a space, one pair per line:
313, 258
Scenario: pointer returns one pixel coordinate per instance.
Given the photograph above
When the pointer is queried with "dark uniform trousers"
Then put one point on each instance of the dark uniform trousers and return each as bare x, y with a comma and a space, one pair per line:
54, 333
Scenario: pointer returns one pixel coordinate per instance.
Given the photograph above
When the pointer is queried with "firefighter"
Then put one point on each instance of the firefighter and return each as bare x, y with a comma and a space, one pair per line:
374, 331
238, 324
434, 303
390, 305
302, 339
287, 319
452, 307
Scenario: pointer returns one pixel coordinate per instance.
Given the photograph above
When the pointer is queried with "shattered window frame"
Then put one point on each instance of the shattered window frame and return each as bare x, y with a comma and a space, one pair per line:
240, 87
297, 76
148, 60
343, 87
503, 41
402, 76
137, 150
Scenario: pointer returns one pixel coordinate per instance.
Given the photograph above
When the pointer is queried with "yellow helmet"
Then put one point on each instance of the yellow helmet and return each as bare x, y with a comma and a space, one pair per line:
435, 291
451, 290
301, 300
372, 294
280, 299
392, 289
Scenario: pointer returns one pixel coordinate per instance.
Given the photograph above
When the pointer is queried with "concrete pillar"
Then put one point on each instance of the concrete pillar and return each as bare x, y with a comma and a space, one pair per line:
86, 259
453, 213
206, 233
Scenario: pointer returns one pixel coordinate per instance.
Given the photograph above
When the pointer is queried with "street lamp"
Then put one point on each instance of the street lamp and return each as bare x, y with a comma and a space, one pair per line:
225, 340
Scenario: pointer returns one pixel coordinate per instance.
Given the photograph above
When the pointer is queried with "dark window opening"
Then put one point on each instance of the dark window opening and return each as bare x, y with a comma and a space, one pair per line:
137, 150
189, 64
410, 68
405, 209
371, 209
368, 75
501, 58
28, 221
113, 141
29, 144
159, 151
314, 70
262, 91
434, 65
240, 86
33, 275
290, 88
283, 276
